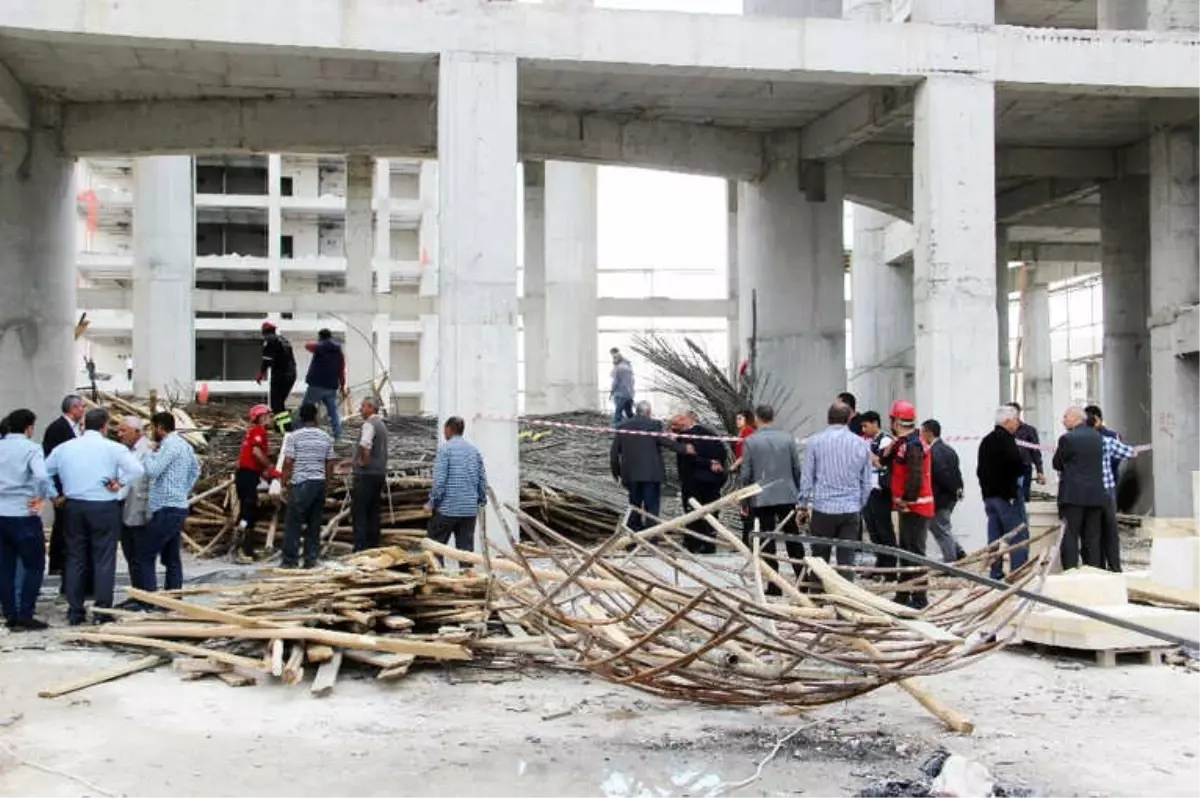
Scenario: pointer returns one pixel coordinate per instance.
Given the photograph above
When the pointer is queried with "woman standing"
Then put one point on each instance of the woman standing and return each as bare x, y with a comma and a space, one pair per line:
24, 488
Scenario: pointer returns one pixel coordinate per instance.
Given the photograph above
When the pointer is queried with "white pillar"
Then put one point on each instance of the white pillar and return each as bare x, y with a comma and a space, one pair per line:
428, 356
882, 316
1003, 351
382, 255
359, 243
790, 255
427, 256
1124, 269
1174, 292
477, 324
37, 305
1036, 371
164, 250
274, 227
954, 288
738, 329
533, 309
570, 301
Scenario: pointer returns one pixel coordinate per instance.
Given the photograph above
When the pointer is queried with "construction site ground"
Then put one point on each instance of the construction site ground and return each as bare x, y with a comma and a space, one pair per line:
1058, 726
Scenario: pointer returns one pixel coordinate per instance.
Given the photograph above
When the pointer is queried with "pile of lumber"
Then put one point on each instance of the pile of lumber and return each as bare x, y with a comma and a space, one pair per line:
383, 609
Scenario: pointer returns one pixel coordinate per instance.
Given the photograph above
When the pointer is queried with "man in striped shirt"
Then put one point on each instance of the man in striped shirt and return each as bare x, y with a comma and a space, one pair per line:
172, 470
835, 483
459, 488
307, 466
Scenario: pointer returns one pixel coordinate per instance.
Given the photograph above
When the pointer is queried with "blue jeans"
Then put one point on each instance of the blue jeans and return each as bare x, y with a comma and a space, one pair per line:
645, 496
304, 508
22, 545
1003, 517
329, 398
161, 540
622, 409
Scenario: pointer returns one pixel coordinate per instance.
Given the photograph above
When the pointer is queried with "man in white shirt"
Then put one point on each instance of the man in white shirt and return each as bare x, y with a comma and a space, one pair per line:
135, 513
877, 514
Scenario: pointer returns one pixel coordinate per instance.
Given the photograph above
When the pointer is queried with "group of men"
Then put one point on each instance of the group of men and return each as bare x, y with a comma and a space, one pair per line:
325, 381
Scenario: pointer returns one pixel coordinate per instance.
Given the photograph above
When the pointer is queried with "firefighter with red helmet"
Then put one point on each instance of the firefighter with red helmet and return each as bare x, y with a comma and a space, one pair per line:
912, 487
254, 463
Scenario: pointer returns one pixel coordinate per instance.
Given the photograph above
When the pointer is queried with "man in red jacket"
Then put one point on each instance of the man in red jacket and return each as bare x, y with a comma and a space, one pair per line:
912, 488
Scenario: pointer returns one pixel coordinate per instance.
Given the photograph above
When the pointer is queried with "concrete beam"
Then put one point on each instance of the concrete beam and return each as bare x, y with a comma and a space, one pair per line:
895, 160
396, 127
1031, 198
1064, 253
890, 195
14, 102
1037, 234
1054, 272
1073, 216
855, 121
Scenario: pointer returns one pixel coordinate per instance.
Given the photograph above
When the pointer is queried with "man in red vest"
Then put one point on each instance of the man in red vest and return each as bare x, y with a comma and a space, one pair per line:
912, 488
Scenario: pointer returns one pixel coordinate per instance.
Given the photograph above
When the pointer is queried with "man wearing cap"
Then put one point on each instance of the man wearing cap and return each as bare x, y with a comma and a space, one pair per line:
277, 358
253, 463
912, 488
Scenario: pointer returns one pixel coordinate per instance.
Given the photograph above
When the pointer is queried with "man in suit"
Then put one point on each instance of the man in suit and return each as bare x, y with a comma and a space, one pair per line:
66, 427
947, 489
1082, 499
636, 462
702, 463
770, 458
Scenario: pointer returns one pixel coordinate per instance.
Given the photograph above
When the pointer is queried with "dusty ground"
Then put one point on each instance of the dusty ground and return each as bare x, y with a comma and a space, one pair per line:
1055, 725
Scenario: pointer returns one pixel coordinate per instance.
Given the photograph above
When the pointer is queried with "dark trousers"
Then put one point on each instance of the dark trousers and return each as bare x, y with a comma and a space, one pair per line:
1110, 541
1027, 484
878, 517
58, 541
130, 535
22, 542
768, 519
161, 541
705, 493
1085, 527
838, 526
1004, 516
462, 527
622, 409
245, 482
914, 529
305, 506
280, 388
366, 509
644, 496
93, 528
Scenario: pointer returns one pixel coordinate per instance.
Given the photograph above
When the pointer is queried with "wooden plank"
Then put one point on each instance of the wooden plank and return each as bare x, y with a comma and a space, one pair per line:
396, 671
145, 663
318, 654
277, 658
196, 610
375, 659
326, 676
397, 623
200, 665
168, 645
237, 679
293, 671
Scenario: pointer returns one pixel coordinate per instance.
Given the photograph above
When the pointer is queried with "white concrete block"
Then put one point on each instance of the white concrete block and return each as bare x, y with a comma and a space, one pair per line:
1087, 587
1062, 628
1175, 562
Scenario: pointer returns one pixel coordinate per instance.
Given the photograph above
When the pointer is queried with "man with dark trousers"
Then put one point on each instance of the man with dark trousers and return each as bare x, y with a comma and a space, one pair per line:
636, 462
1082, 499
702, 463
877, 515
326, 377
278, 359
1000, 469
370, 474
1031, 456
912, 488
66, 427
770, 458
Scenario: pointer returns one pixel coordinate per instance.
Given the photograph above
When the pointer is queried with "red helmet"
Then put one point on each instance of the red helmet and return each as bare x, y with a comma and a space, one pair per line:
903, 411
257, 412
268, 327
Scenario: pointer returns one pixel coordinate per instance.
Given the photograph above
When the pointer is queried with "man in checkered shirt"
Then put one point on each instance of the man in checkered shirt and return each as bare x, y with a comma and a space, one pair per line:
459, 488
1115, 451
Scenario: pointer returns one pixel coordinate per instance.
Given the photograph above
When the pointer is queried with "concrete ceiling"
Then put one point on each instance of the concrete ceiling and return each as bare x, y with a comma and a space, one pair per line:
1047, 13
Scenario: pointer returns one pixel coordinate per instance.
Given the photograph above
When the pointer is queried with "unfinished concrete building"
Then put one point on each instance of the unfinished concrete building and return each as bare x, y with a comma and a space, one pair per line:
1046, 132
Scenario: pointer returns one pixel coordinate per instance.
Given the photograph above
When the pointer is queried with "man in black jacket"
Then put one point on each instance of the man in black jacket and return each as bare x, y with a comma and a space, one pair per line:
278, 359
1030, 456
947, 489
999, 471
636, 462
66, 427
1082, 499
702, 464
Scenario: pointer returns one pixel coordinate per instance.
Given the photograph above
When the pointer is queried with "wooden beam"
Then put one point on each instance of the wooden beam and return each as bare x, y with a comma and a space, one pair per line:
145, 663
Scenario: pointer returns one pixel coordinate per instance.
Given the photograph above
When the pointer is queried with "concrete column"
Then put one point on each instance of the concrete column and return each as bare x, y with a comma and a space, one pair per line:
37, 305
954, 288
790, 253
360, 242
881, 317
533, 311
477, 268
1036, 370
274, 227
164, 252
427, 230
570, 300
1003, 353
1124, 270
738, 329
1174, 294
428, 356
382, 256
1155, 15
974, 12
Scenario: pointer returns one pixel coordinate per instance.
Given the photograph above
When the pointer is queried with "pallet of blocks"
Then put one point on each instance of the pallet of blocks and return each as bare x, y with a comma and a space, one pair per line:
384, 610
1173, 579
1106, 592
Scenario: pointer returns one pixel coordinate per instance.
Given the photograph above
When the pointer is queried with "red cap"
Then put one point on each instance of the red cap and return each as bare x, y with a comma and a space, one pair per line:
258, 411
903, 411
268, 327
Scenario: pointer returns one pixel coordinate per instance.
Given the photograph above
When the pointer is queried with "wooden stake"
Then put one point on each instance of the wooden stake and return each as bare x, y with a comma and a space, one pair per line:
145, 663
326, 676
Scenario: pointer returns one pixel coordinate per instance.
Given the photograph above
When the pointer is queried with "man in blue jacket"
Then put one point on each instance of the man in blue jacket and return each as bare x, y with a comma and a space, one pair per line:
326, 377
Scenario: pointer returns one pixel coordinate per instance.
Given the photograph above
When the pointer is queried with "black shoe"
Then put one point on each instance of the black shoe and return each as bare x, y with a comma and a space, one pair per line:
28, 625
959, 554
76, 621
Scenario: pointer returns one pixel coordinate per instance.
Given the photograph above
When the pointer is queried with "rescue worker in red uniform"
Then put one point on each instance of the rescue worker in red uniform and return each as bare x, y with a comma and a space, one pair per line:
254, 463
912, 488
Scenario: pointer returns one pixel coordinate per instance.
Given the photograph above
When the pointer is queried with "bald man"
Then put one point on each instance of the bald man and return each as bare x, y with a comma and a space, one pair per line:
1082, 498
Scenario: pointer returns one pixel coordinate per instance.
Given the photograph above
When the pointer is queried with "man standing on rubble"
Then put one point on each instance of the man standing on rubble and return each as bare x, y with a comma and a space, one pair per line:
912, 488
770, 458
622, 387
135, 508
636, 461
307, 466
459, 489
702, 469
254, 463
370, 474
326, 377
280, 361
173, 471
